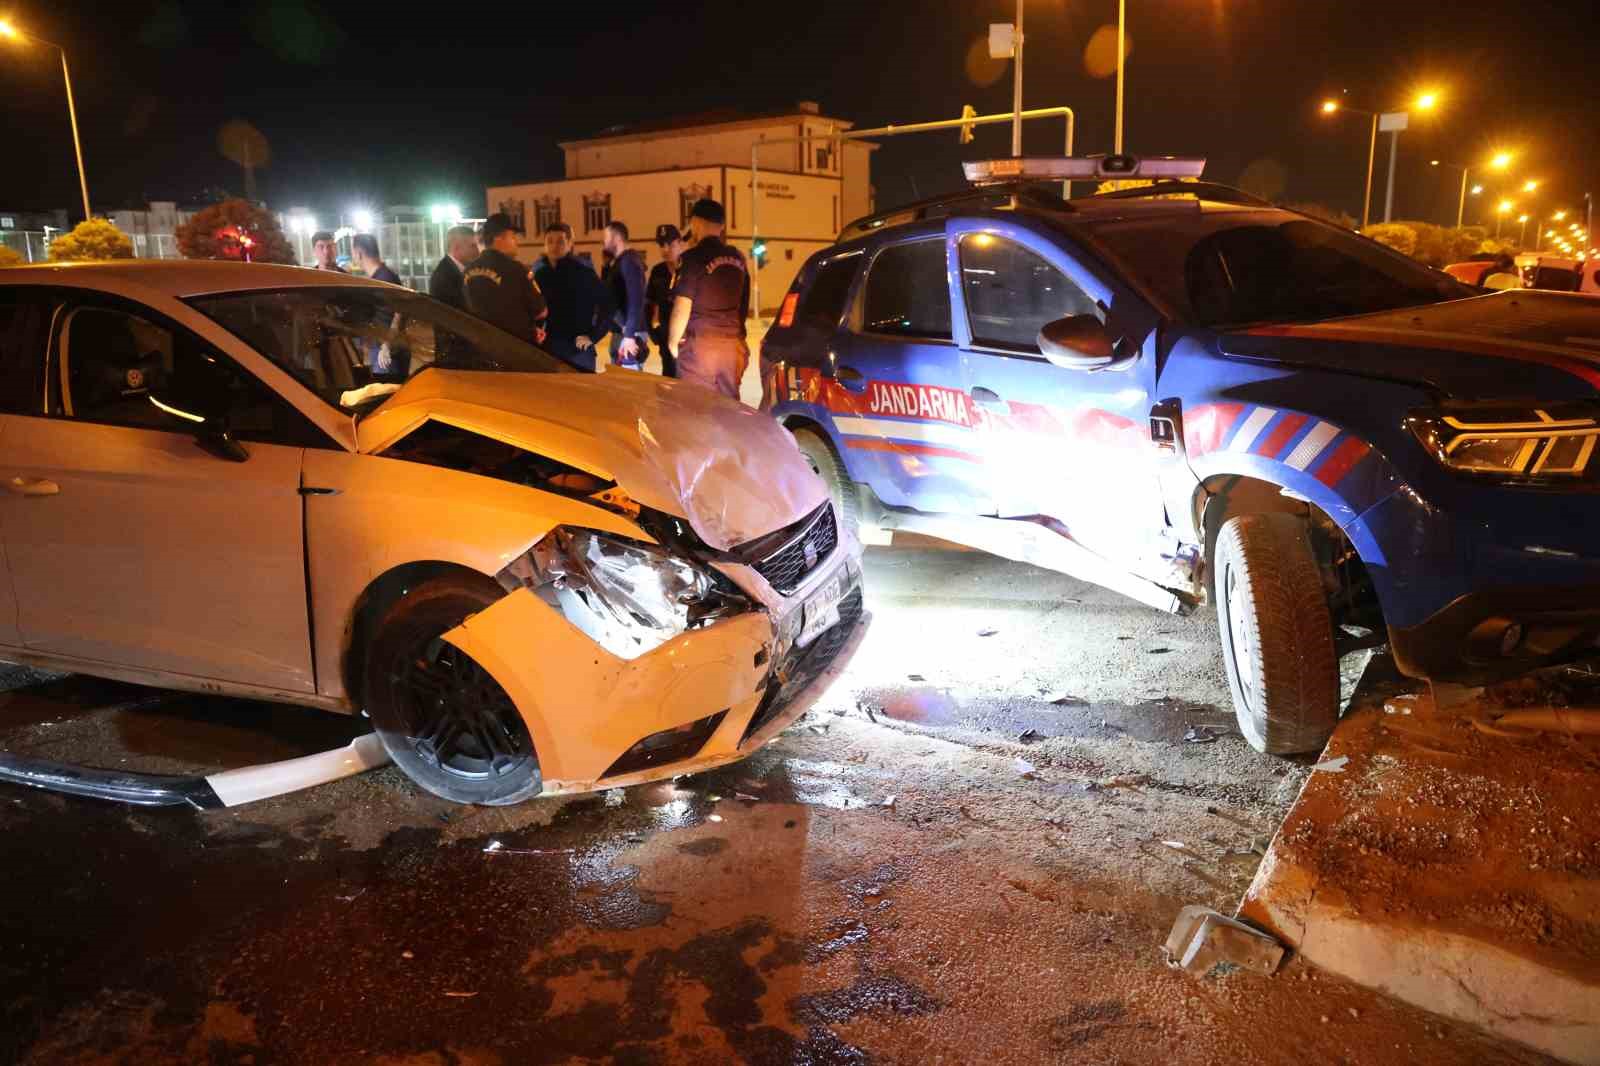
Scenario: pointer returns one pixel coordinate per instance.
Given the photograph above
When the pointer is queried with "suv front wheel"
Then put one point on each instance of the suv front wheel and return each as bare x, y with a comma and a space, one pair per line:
1277, 633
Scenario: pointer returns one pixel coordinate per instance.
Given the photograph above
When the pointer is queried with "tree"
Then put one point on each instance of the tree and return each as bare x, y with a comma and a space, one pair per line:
10, 257
1325, 213
234, 229
93, 238
1397, 235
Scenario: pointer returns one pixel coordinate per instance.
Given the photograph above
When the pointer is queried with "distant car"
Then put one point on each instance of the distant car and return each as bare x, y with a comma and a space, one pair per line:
1558, 273
1184, 393
531, 581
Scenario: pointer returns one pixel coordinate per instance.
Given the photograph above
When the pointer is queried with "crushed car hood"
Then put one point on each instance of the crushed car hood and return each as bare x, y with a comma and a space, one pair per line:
731, 471
1525, 343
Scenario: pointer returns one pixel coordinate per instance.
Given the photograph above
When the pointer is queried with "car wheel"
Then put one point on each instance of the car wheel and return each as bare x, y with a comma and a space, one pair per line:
827, 465
1277, 633
441, 716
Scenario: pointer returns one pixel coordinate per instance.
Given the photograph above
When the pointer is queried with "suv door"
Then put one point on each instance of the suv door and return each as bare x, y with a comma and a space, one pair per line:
904, 417
127, 542
24, 316
1065, 444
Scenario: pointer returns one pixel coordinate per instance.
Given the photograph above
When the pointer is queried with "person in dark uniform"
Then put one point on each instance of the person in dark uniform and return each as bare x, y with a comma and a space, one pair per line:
446, 283
625, 280
498, 287
364, 246
709, 306
658, 293
579, 305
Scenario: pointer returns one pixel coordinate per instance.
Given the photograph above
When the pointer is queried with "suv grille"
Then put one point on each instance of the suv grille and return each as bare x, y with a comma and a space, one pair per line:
788, 567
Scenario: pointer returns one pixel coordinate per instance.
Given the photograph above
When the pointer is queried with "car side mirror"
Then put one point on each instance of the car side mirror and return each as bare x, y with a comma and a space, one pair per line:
1080, 342
199, 397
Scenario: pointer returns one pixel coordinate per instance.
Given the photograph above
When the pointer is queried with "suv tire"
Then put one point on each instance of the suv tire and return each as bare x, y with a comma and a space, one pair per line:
443, 718
1277, 633
828, 466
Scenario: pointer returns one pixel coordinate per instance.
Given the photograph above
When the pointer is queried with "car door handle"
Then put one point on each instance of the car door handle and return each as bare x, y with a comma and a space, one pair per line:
32, 486
987, 398
850, 378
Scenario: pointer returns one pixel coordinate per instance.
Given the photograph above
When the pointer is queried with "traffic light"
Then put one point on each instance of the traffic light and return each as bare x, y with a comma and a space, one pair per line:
758, 252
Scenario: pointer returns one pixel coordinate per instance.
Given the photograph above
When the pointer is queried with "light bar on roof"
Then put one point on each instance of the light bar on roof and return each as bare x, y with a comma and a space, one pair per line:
1083, 168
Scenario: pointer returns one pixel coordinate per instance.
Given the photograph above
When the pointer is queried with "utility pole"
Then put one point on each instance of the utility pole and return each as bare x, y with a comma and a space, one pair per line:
1016, 92
1122, 20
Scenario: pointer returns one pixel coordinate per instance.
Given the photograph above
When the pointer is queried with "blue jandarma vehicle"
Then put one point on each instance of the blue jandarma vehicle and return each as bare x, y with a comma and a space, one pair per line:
1184, 393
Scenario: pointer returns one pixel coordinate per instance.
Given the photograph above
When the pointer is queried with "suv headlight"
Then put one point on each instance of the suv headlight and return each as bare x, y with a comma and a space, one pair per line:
1524, 445
627, 596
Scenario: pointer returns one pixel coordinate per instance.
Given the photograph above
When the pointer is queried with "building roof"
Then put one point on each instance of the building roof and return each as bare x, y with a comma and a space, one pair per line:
718, 117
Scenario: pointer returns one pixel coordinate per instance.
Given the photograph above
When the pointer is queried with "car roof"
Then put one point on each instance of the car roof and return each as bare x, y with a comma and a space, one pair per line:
178, 278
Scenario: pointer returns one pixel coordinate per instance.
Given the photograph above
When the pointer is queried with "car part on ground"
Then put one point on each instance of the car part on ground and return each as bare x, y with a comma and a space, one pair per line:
227, 788
1277, 634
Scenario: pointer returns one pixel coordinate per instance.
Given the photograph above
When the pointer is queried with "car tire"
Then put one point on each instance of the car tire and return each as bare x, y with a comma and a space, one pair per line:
828, 466
1277, 633
444, 720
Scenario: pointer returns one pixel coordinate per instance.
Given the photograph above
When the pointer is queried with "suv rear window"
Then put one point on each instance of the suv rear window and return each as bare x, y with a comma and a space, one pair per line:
823, 305
908, 292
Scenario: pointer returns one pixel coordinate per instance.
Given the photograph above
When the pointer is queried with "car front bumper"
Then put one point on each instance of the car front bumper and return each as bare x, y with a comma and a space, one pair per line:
1500, 633
704, 698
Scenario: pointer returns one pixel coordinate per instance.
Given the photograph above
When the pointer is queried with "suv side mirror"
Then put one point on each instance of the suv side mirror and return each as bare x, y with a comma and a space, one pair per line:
200, 396
1080, 342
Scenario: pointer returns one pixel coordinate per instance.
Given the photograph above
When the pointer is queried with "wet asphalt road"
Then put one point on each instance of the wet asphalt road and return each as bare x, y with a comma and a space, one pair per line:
965, 854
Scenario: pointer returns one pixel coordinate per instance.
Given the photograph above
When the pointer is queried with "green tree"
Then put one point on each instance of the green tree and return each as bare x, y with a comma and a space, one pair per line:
234, 229
1325, 213
94, 238
1397, 235
10, 257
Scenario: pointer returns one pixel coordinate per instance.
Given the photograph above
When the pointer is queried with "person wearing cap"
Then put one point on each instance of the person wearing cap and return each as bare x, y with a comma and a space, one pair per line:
580, 311
658, 293
710, 303
325, 252
498, 288
626, 282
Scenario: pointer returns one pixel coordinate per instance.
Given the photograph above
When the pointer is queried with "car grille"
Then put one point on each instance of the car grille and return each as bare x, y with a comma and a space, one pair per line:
788, 567
802, 666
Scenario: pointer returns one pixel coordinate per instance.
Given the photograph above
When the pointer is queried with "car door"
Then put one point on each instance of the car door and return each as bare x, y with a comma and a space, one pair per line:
1064, 444
24, 317
903, 412
130, 544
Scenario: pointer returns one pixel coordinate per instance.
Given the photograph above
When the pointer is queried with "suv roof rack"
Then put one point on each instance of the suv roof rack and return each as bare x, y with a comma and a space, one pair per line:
1034, 194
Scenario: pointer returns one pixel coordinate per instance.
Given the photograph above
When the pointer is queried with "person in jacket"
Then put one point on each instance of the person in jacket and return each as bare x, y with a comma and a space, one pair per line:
364, 247
709, 306
658, 293
497, 286
579, 305
446, 284
325, 252
627, 293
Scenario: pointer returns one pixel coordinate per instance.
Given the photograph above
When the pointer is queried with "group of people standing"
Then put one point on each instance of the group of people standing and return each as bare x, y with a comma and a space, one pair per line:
691, 306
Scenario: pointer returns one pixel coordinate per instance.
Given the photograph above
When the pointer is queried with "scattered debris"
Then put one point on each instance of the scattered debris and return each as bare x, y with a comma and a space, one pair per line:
1202, 939
494, 847
819, 730
1030, 736
889, 802
987, 632
1333, 766
351, 899
1204, 734
915, 677
747, 797
1158, 651
461, 995
407, 955
1176, 845
714, 818
1025, 769
1070, 701
866, 709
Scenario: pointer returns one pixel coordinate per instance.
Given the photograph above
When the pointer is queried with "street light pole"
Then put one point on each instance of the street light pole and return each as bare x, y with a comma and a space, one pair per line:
7, 29
1122, 22
1372, 154
1016, 92
1388, 196
1461, 205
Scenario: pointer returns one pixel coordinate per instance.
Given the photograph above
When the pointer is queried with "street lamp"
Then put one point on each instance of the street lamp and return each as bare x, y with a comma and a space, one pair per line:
362, 219
1522, 241
1499, 161
1391, 122
1501, 210
1330, 107
9, 31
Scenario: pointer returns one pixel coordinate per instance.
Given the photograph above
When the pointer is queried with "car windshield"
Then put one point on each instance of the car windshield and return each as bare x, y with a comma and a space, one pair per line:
353, 344
1235, 268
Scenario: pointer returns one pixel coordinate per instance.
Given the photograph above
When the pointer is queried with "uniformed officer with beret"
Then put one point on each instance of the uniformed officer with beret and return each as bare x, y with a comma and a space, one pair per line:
710, 303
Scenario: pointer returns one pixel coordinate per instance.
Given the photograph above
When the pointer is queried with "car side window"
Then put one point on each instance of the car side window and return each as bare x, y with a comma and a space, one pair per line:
824, 301
116, 367
907, 292
1011, 293
24, 318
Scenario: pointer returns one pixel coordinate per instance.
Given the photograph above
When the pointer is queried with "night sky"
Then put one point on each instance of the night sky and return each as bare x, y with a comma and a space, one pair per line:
379, 103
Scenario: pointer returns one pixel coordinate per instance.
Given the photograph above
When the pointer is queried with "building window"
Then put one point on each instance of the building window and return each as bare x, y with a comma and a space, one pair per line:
517, 209
596, 212
8, 223
825, 157
687, 195
547, 210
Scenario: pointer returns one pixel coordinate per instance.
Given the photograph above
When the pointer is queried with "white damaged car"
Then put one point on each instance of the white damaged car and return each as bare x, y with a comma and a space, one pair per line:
532, 581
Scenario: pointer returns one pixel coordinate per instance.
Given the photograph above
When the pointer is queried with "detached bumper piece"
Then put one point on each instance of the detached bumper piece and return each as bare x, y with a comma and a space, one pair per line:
801, 666
668, 746
230, 788
1494, 635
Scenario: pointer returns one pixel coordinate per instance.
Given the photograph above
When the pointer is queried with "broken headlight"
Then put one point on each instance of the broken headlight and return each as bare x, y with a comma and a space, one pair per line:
1526, 445
627, 596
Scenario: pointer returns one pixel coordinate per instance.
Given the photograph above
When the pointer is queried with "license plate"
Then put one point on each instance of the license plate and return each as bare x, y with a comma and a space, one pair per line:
822, 609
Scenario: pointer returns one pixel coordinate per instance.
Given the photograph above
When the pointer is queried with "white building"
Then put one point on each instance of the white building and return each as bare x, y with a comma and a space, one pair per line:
808, 186
152, 229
